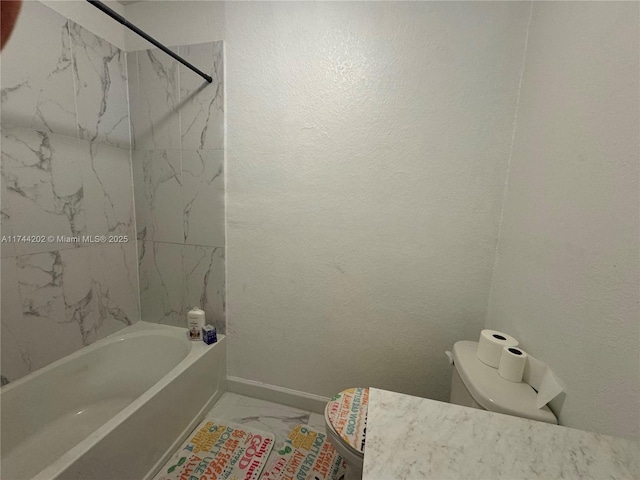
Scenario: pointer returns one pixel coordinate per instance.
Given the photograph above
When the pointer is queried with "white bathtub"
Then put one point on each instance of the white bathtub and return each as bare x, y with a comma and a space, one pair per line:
112, 411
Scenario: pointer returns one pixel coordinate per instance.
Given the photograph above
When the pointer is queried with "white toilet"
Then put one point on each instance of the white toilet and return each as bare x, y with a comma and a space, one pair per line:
473, 384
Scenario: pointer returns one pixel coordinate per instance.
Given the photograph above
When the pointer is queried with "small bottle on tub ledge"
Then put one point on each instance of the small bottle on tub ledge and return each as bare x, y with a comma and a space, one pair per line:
209, 334
195, 322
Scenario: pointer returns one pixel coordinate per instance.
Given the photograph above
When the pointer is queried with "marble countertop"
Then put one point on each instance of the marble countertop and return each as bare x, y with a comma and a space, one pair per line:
416, 438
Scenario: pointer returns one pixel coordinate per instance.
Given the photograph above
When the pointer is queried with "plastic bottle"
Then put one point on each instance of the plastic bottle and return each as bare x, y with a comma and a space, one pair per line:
195, 322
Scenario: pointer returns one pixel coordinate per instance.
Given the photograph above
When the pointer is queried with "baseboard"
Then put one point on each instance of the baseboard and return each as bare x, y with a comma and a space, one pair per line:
273, 393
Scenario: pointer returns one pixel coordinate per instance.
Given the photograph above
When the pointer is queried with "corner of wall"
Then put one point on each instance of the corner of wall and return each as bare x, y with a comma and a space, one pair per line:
92, 19
506, 178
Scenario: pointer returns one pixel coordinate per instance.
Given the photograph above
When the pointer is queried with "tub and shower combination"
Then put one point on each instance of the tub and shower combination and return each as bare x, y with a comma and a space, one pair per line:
114, 410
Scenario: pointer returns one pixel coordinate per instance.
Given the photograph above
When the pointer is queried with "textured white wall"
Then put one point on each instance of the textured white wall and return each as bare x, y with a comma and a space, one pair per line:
366, 149
367, 146
566, 279
91, 18
175, 22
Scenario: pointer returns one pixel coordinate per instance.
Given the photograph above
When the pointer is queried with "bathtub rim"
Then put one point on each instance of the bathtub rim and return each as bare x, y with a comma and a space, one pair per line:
138, 329
196, 350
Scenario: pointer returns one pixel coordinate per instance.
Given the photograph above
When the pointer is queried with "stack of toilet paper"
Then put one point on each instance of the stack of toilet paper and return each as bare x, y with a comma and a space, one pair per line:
499, 350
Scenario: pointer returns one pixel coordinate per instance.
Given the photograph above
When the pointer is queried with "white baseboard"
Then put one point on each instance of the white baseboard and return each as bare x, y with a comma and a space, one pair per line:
273, 393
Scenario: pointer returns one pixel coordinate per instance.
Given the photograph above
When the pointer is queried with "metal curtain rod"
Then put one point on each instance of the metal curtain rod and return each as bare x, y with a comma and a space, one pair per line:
113, 14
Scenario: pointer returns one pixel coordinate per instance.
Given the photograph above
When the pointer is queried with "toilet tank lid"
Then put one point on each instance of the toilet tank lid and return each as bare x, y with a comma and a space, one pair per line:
493, 392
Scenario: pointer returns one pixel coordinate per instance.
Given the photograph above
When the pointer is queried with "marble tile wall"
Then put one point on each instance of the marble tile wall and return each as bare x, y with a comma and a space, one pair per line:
178, 172
65, 171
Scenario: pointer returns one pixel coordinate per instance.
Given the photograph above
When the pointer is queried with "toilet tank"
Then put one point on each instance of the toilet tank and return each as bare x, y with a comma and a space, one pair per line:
476, 385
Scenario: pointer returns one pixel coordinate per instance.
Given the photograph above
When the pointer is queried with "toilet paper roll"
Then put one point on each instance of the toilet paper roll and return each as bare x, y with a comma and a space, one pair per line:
491, 344
512, 362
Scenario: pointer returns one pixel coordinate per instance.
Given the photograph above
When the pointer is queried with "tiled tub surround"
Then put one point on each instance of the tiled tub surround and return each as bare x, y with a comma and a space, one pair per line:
178, 172
37, 73
104, 403
66, 171
177, 109
60, 78
61, 186
175, 277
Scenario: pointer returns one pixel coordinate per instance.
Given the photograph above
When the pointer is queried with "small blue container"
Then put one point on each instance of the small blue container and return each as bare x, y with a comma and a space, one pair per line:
209, 335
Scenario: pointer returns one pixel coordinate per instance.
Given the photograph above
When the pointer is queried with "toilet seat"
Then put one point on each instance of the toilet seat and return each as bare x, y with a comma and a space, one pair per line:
346, 419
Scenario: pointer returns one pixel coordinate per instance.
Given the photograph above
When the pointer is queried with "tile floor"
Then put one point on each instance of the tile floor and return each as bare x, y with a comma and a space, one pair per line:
267, 416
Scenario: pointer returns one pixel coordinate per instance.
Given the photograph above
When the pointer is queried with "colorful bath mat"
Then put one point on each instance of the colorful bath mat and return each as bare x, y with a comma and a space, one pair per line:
306, 454
220, 450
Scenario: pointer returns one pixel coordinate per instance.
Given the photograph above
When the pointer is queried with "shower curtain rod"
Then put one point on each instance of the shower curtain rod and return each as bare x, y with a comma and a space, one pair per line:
101, 6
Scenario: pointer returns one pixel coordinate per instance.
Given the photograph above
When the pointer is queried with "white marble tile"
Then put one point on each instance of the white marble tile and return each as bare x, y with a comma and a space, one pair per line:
317, 421
135, 111
66, 299
55, 184
115, 289
108, 189
271, 417
82, 309
15, 358
203, 197
157, 180
55, 288
204, 274
161, 270
202, 103
174, 278
37, 80
155, 107
44, 186
140, 194
7, 249
101, 88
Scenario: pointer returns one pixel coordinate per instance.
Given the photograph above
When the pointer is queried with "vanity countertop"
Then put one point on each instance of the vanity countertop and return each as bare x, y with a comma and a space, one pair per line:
417, 438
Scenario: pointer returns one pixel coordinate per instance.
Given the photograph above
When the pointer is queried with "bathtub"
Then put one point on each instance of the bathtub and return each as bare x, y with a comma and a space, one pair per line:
115, 410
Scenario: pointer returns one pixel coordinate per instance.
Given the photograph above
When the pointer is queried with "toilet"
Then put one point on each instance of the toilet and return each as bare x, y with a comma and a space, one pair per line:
473, 384
345, 417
